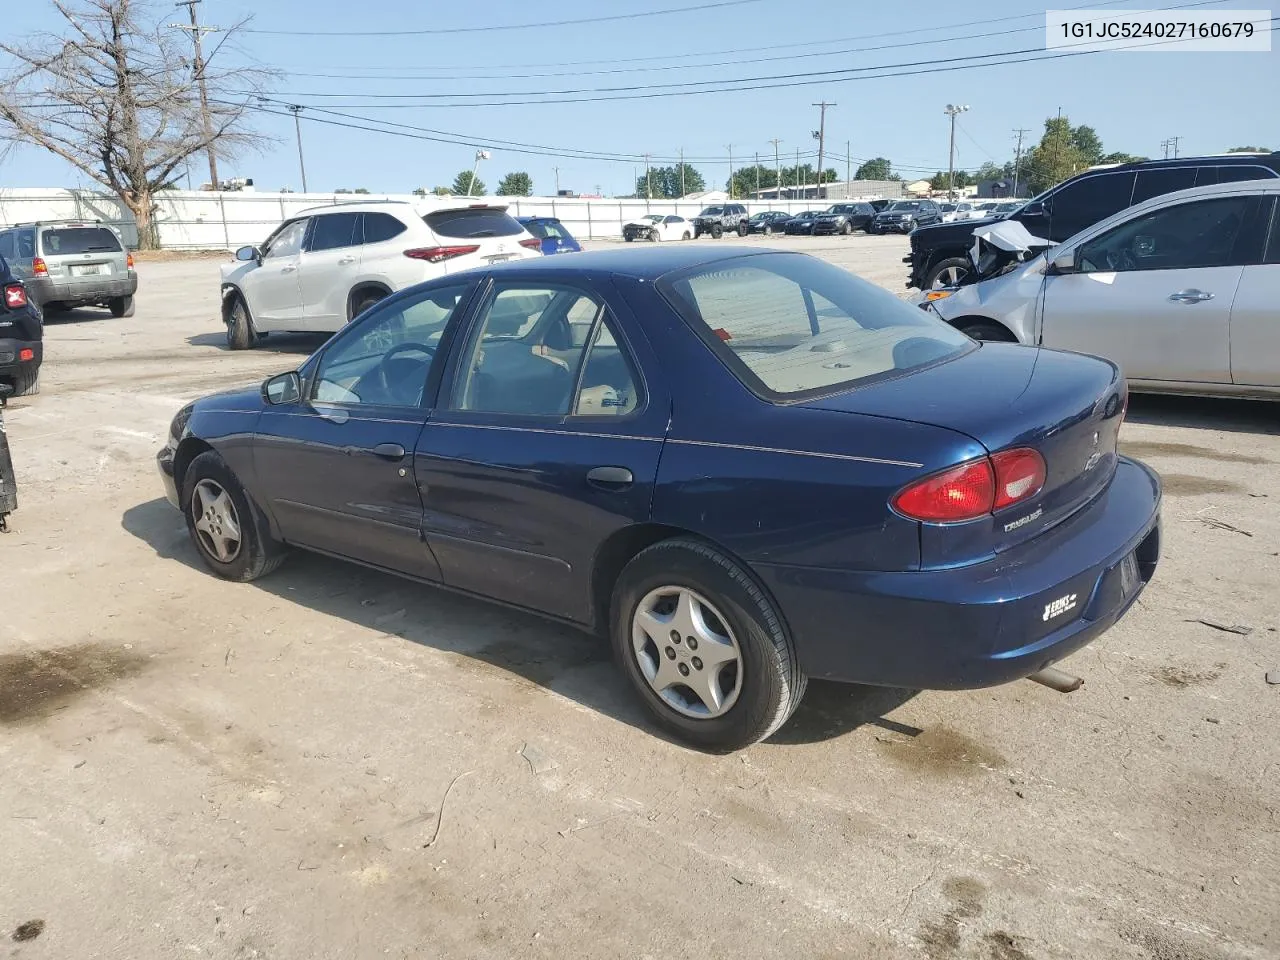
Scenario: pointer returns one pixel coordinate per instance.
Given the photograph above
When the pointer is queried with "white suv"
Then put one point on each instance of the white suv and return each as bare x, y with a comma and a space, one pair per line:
327, 265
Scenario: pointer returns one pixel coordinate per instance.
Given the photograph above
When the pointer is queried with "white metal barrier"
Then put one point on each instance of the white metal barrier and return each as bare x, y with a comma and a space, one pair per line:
202, 220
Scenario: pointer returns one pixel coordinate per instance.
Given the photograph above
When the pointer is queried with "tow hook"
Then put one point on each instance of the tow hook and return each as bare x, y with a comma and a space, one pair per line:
1056, 679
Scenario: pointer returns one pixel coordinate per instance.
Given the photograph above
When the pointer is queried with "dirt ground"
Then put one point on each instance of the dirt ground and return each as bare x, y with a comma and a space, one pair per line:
333, 763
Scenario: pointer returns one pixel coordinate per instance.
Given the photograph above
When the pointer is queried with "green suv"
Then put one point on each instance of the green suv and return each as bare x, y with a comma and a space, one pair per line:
71, 263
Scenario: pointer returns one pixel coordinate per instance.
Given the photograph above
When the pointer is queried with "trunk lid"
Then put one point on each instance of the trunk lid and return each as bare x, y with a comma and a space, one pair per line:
489, 228
1068, 407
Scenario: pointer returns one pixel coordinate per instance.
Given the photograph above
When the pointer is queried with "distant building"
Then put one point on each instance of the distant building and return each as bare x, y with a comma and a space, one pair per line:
707, 196
1001, 189
835, 190
918, 188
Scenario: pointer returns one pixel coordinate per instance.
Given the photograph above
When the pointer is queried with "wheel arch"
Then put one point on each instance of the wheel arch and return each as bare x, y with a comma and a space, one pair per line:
971, 318
189, 448
622, 546
229, 292
365, 287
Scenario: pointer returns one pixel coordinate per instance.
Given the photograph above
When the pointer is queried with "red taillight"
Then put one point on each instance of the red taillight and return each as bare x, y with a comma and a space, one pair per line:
1020, 474
128, 261
26, 354
961, 493
440, 254
975, 488
39, 268
15, 296
533, 243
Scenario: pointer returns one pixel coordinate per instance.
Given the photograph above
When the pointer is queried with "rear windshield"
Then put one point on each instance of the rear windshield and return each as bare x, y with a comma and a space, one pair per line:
472, 223
79, 240
790, 325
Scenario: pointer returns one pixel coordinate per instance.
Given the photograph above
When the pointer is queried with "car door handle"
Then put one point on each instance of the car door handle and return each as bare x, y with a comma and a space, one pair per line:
345, 260
389, 451
289, 268
1190, 296
610, 476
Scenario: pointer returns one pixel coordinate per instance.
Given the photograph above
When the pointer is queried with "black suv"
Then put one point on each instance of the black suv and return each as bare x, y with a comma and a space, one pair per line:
939, 255
721, 219
845, 218
21, 335
904, 216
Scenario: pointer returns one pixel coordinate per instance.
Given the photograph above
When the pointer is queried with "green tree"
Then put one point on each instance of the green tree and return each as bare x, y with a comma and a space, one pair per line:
1054, 158
1120, 157
745, 179
877, 168
1085, 139
419, 191
1249, 150
465, 184
991, 171
442, 191
942, 180
517, 184
359, 190
665, 182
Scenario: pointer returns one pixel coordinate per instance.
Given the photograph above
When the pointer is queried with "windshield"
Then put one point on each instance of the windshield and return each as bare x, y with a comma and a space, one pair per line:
901, 205
712, 212
789, 324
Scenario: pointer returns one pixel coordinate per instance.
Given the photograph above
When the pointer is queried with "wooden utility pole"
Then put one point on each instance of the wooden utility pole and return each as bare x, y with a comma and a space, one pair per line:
730, 149
777, 169
297, 126
822, 134
848, 166
682, 173
198, 72
1017, 158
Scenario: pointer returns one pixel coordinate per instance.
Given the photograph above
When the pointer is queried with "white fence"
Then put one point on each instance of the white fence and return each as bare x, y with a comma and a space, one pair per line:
197, 220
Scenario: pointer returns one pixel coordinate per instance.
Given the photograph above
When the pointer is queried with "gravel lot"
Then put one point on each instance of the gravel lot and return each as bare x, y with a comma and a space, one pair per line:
333, 763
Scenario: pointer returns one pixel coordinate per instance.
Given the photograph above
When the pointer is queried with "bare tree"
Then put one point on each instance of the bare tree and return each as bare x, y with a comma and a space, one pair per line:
117, 96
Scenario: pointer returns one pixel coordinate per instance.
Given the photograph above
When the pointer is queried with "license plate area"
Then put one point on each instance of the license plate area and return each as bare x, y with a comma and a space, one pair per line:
1129, 578
498, 258
89, 269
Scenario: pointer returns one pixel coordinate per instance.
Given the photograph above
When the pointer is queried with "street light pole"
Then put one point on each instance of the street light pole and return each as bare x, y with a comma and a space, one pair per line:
730, 148
297, 126
822, 137
682, 173
953, 111
480, 155
777, 169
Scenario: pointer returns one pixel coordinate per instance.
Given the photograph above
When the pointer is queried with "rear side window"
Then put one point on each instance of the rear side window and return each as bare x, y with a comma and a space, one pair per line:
1155, 183
71, 240
8, 245
1242, 172
334, 230
790, 326
473, 223
381, 226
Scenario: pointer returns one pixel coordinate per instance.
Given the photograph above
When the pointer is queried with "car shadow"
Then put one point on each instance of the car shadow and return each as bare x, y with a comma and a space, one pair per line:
76, 315
1205, 413
303, 344
559, 658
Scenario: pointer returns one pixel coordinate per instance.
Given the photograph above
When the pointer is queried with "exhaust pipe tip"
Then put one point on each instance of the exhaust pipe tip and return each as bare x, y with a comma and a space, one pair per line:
1056, 679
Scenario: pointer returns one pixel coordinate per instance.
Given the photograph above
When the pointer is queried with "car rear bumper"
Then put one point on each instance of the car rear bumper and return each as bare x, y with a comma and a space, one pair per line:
11, 352
983, 624
74, 291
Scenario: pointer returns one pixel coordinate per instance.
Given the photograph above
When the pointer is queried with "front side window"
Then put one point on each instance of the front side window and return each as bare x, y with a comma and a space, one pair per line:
526, 356
790, 325
1159, 181
287, 241
674, 220
335, 230
1198, 234
385, 359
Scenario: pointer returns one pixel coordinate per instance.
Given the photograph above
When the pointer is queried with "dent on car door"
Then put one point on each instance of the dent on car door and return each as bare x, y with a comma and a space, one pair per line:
272, 288
1154, 292
1255, 333
545, 441
336, 466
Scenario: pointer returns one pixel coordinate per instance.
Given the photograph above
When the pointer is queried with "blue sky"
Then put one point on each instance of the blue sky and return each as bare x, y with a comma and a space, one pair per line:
1134, 100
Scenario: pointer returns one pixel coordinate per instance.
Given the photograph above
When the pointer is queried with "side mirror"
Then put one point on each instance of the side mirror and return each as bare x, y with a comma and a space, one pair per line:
1063, 263
1037, 209
245, 254
283, 388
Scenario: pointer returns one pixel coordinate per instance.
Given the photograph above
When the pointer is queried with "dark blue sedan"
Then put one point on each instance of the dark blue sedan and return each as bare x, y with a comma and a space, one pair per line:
554, 235
745, 468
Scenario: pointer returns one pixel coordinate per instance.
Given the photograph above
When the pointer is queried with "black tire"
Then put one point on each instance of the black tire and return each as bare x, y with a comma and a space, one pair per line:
240, 332
121, 306
685, 235
743, 229
986, 330
771, 684
846, 228
363, 301
696, 233
258, 554
717, 232
628, 239
768, 230
955, 269
55, 307
26, 383
654, 236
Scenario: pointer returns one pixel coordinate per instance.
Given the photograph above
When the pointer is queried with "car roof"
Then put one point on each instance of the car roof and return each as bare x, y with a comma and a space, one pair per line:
647, 263
538, 219
420, 206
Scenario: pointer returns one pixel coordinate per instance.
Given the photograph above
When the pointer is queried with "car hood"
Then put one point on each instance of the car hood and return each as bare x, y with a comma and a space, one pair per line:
242, 398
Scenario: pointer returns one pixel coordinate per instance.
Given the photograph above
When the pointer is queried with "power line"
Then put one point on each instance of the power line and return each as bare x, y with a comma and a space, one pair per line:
766, 82
197, 68
503, 26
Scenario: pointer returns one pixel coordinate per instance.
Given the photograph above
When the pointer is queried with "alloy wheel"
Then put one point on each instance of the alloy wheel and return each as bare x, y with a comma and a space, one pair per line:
216, 522
949, 277
687, 652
